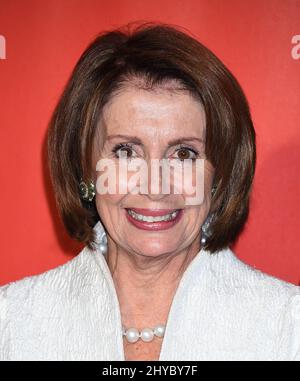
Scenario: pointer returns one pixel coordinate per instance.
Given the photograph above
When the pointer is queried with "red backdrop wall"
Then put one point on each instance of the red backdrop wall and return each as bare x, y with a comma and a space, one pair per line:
259, 41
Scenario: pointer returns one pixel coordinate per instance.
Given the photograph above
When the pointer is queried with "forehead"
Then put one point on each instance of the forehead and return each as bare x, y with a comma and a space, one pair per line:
154, 112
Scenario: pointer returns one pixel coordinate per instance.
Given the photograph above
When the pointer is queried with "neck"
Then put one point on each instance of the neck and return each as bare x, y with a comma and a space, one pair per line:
146, 285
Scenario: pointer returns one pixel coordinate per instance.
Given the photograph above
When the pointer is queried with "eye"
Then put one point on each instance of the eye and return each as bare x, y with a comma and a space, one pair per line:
123, 149
184, 153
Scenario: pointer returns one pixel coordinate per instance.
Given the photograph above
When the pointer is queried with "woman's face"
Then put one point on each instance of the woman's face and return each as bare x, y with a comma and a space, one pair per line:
150, 122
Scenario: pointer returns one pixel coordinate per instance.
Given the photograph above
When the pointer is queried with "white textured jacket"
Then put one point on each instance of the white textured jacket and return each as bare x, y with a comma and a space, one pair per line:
223, 309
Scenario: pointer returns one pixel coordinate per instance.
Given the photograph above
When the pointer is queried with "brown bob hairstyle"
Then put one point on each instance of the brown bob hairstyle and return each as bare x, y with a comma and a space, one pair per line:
154, 52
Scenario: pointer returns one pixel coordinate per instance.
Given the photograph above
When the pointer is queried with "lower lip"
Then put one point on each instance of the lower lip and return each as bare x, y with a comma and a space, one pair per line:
158, 225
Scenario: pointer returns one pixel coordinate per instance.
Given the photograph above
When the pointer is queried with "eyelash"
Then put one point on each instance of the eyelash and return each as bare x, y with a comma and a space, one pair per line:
130, 146
196, 153
120, 146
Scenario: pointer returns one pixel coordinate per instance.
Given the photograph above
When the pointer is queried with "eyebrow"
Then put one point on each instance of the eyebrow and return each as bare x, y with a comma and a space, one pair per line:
138, 141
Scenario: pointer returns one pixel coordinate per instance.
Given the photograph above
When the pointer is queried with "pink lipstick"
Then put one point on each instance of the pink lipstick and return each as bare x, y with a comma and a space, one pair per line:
153, 219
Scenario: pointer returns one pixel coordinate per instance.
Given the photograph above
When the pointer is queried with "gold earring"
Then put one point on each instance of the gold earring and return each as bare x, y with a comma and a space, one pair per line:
87, 190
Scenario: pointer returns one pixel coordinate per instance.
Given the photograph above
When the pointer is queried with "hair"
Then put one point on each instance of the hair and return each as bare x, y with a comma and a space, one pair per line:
153, 54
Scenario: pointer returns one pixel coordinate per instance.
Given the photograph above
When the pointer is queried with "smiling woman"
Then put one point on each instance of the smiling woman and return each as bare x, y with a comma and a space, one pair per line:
157, 279
155, 117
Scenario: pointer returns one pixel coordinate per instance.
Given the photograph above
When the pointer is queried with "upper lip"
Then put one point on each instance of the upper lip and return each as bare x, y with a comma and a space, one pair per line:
153, 212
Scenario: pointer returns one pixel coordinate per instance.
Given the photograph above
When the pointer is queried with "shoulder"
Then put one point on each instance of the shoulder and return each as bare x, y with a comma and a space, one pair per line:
235, 274
45, 316
59, 283
36, 307
264, 297
51, 277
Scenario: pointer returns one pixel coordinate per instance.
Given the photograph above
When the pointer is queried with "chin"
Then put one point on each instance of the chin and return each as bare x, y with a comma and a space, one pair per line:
156, 249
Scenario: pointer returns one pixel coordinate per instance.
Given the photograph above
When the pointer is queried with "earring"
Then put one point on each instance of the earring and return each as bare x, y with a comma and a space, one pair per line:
213, 190
103, 243
205, 229
87, 191
100, 238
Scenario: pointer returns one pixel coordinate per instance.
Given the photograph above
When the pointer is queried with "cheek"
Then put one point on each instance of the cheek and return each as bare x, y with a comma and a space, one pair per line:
197, 182
209, 173
113, 181
107, 204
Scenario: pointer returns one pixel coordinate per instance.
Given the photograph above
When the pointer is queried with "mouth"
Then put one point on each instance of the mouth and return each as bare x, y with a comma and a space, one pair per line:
153, 219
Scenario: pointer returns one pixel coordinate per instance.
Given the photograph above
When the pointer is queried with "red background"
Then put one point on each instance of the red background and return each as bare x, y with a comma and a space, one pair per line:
44, 39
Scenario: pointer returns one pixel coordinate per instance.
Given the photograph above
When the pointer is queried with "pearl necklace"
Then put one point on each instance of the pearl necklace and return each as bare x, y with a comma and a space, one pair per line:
131, 334
147, 334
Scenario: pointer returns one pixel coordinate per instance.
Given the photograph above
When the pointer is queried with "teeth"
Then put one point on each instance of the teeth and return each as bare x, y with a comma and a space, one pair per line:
140, 217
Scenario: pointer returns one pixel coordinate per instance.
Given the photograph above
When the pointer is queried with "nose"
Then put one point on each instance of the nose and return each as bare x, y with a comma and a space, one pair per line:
156, 197
159, 186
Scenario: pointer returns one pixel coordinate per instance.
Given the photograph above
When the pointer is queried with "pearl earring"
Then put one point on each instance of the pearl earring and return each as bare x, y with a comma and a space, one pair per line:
103, 243
100, 242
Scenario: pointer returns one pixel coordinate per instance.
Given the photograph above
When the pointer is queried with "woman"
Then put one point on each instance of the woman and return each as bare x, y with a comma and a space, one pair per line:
156, 279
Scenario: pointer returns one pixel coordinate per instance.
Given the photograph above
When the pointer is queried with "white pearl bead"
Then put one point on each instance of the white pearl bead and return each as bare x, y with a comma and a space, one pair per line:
159, 330
147, 334
132, 335
103, 248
